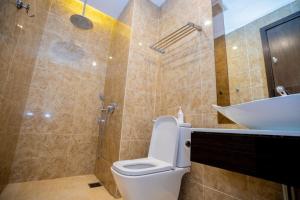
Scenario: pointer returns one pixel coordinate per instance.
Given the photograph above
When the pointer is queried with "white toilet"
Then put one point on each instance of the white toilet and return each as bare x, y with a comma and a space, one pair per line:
157, 177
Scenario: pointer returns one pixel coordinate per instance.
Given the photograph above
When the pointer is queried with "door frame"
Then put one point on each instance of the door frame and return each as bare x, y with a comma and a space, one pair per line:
266, 50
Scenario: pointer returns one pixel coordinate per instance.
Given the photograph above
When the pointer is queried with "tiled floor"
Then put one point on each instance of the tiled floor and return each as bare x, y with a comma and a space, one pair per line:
70, 188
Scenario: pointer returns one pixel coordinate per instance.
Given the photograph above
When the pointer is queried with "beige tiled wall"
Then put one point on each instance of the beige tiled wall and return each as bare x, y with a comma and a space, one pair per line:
65, 86
246, 67
187, 70
114, 91
211, 183
140, 93
18, 51
222, 81
130, 81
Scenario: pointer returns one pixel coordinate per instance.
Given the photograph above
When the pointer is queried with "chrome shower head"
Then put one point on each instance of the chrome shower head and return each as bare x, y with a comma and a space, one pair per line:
80, 21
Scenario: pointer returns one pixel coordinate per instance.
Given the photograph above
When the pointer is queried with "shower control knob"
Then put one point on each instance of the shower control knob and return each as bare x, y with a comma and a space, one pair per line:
275, 60
188, 144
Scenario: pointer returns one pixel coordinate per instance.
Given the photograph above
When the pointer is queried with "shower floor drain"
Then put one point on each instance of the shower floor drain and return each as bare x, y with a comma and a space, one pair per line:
93, 185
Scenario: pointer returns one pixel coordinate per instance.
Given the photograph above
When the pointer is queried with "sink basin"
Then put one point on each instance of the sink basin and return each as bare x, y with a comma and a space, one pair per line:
278, 113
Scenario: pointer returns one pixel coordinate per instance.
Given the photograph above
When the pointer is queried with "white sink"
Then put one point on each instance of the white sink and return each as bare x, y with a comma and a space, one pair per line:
278, 113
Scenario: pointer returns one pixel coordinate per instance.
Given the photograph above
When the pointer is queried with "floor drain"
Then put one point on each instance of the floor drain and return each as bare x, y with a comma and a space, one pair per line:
93, 185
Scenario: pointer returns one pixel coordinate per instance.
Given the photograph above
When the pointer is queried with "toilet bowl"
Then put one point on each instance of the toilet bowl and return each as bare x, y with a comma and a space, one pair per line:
157, 177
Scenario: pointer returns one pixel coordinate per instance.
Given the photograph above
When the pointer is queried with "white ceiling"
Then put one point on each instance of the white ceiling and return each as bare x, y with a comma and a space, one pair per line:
115, 7
238, 13
158, 2
111, 7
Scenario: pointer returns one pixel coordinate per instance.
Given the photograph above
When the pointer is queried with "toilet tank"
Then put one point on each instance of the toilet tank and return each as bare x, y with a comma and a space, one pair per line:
184, 148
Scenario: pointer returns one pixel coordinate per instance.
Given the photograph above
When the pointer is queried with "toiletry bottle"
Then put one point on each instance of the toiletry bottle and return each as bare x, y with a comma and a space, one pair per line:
180, 116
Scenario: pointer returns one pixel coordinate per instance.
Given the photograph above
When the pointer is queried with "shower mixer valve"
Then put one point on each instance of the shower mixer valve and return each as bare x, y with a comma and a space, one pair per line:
106, 112
20, 5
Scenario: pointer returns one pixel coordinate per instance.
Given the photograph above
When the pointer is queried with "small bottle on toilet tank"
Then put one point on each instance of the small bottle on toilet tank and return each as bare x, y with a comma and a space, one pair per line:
180, 116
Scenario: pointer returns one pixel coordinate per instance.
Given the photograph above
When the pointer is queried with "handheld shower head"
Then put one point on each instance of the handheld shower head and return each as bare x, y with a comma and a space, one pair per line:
101, 97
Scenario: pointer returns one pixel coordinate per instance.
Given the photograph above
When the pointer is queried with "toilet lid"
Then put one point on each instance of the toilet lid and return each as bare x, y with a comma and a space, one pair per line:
164, 141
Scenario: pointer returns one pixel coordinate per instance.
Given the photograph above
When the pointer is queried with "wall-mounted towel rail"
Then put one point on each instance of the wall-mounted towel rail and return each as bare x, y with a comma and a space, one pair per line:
174, 37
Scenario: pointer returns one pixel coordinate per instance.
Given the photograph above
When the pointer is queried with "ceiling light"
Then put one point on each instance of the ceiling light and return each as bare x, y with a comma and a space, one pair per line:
234, 47
110, 57
140, 44
94, 63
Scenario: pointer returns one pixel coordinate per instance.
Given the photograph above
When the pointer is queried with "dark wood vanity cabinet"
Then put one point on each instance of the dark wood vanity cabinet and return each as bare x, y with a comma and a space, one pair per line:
271, 157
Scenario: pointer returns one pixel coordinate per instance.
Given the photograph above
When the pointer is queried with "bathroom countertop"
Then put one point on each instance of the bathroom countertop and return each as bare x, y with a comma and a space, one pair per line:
248, 131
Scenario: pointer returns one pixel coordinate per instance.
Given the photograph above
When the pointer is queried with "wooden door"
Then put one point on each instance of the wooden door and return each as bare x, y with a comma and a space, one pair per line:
281, 44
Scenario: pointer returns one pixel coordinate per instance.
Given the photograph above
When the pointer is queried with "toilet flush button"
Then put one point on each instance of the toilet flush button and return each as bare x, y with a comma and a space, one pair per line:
188, 144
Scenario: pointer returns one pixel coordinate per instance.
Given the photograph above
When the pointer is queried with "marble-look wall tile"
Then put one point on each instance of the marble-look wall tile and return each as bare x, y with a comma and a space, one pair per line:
227, 182
140, 90
59, 131
103, 172
134, 149
264, 190
20, 37
52, 156
188, 66
191, 189
210, 194
130, 82
114, 90
81, 155
239, 186
35, 152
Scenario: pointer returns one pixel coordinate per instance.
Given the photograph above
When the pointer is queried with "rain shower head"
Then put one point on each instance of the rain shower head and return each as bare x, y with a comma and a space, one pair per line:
80, 21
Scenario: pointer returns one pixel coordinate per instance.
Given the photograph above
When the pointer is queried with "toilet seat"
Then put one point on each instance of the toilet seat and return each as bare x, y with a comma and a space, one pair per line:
139, 167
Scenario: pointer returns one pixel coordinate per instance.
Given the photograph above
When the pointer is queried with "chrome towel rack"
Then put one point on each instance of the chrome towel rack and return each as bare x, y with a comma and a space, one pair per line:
174, 37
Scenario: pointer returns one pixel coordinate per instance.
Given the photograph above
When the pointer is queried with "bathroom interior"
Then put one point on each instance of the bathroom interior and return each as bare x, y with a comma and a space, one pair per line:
149, 99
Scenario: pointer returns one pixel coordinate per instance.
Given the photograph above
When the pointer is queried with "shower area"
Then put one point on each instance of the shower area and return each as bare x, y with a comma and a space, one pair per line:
52, 72
79, 89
